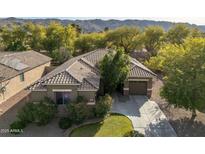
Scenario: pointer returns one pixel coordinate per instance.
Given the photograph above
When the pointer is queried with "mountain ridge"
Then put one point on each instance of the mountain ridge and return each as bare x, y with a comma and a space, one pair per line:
96, 25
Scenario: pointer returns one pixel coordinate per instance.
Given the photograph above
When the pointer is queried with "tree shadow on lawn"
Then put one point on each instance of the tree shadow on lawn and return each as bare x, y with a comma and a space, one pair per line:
89, 130
187, 128
104, 128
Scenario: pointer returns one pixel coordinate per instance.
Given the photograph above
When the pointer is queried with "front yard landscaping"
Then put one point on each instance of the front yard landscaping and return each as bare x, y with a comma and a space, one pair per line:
115, 125
40, 113
79, 112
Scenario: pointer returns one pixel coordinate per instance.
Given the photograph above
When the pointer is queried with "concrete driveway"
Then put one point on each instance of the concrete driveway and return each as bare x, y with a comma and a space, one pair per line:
146, 116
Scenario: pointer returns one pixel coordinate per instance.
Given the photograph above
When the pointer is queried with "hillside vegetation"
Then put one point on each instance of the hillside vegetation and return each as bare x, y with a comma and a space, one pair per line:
94, 25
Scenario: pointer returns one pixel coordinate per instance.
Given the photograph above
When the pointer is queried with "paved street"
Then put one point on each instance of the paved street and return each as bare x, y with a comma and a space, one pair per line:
146, 116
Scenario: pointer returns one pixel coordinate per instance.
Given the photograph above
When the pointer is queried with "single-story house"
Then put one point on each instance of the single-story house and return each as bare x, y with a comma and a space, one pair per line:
18, 70
80, 76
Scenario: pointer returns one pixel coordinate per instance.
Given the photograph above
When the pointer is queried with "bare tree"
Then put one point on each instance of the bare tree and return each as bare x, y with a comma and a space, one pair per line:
3, 81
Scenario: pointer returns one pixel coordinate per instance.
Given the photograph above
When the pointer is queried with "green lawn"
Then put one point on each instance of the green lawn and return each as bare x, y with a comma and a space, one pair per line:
115, 125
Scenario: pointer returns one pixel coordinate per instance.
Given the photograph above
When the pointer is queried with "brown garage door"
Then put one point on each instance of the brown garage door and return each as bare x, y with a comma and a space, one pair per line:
138, 88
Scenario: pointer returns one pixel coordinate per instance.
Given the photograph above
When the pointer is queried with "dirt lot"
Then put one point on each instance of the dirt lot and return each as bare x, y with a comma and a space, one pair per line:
179, 118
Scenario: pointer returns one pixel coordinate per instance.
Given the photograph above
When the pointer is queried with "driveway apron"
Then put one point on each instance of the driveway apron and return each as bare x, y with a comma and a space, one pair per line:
146, 116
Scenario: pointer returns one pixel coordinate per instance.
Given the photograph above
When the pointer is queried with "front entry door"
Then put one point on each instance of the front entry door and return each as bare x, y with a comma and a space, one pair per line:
62, 97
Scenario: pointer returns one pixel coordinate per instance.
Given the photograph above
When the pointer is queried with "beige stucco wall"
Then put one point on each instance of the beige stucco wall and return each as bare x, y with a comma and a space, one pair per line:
89, 95
39, 95
52, 94
15, 85
36, 96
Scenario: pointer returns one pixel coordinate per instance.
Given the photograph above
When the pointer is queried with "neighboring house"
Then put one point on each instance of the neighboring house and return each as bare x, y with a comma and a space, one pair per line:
141, 55
80, 76
18, 70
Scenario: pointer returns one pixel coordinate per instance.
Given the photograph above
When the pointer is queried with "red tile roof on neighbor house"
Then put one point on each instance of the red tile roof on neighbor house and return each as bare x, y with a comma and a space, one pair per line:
82, 71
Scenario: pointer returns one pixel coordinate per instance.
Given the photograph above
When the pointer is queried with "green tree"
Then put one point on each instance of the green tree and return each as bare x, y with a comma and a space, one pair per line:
103, 106
195, 32
184, 84
14, 38
178, 33
77, 27
35, 35
89, 42
153, 36
70, 36
61, 55
54, 37
114, 69
165, 56
128, 38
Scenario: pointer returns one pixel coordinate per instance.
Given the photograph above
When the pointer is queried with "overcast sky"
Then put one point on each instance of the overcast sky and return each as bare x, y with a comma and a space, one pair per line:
191, 11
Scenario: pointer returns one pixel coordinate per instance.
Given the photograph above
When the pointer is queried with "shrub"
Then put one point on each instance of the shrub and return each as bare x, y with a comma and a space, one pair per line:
17, 126
133, 134
40, 113
61, 55
65, 123
91, 112
103, 105
44, 112
26, 113
81, 99
137, 134
77, 112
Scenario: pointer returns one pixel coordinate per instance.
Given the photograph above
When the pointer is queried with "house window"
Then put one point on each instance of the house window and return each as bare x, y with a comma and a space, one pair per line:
21, 77
62, 97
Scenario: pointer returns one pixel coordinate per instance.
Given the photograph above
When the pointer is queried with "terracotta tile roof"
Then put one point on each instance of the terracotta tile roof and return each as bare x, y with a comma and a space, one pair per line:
37, 86
14, 63
86, 86
79, 68
93, 68
139, 72
96, 56
61, 78
83, 70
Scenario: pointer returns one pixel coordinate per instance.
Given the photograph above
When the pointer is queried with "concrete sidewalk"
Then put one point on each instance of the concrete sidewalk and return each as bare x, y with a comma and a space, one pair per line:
146, 116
